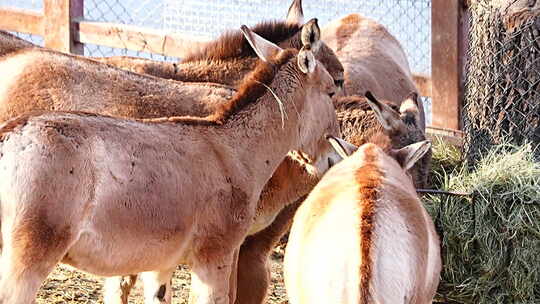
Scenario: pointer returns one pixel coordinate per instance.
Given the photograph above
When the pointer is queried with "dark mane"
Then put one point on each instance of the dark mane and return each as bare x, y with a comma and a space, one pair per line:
232, 44
249, 91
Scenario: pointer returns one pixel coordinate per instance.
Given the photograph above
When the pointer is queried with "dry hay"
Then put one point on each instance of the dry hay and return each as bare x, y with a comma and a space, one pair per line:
502, 97
490, 241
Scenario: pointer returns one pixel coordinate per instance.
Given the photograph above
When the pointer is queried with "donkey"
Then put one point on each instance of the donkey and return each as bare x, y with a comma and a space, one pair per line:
229, 58
10, 43
291, 182
366, 221
132, 95
123, 206
373, 59
41, 79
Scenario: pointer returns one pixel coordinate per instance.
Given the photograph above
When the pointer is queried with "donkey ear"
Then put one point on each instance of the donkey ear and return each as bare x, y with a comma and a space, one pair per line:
410, 154
262, 47
311, 34
387, 117
295, 13
342, 147
306, 60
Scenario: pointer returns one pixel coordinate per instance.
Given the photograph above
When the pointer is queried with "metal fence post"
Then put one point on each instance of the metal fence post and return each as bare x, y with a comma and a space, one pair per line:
448, 44
59, 26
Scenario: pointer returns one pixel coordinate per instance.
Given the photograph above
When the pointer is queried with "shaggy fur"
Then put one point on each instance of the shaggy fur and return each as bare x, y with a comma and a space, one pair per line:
252, 88
232, 44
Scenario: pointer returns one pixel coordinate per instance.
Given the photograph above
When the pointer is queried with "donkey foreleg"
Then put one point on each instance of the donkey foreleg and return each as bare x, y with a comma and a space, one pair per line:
117, 289
158, 286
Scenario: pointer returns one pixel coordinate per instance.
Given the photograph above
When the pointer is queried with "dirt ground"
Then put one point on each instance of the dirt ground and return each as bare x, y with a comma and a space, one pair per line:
66, 285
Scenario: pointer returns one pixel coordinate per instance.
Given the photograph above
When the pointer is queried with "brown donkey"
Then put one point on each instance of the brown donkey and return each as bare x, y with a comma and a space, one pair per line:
291, 182
130, 95
229, 58
145, 196
363, 236
373, 59
40, 79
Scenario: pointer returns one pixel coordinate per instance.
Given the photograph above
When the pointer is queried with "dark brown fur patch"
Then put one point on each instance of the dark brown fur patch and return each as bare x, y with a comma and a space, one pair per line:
232, 44
19, 121
10, 43
249, 91
369, 179
347, 28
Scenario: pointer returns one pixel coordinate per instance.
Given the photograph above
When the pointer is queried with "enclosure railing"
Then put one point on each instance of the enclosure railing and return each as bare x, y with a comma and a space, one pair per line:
62, 25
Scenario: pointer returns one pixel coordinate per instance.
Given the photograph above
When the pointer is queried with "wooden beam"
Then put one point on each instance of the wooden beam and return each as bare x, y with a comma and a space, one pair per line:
59, 26
452, 137
423, 84
21, 20
136, 38
448, 43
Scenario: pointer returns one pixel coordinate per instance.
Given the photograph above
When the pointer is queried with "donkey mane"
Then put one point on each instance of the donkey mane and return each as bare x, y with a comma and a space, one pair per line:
232, 44
253, 87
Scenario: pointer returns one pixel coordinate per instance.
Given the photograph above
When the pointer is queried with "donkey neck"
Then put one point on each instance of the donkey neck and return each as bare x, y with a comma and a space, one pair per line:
228, 71
258, 135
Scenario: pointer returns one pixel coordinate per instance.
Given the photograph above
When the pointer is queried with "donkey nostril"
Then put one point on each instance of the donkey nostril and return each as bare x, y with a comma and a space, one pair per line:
331, 94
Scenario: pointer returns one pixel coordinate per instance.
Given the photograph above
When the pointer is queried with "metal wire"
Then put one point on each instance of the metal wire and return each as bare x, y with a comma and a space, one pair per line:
502, 97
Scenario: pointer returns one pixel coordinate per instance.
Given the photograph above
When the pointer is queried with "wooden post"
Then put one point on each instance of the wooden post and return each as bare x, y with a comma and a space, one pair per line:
59, 25
449, 30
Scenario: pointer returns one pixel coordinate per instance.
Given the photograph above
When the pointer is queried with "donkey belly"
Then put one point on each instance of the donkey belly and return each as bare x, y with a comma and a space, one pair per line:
113, 253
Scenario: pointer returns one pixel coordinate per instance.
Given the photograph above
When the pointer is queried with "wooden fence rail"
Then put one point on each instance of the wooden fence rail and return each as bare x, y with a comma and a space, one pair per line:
64, 28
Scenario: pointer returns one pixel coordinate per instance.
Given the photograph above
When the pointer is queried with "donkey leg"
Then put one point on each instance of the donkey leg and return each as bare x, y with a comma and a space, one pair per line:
210, 280
117, 289
157, 286
23, 269
253, 274
253, 270
233, 278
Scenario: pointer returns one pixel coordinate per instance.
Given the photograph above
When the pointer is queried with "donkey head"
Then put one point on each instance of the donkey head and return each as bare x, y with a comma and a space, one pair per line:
311, 34
404, 128
310, 103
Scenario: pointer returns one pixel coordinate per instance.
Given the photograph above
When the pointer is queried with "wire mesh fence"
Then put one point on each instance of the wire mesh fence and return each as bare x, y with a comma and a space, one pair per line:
502, 97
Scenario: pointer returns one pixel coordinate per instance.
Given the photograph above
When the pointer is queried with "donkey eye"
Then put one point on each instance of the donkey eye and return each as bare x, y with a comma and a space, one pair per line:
339, 82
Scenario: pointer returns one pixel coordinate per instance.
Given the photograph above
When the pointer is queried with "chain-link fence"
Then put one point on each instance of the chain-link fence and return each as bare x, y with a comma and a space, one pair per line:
502, 97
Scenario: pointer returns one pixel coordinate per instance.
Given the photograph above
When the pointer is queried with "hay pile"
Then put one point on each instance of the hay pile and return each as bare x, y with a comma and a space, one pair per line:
491, 241
502, 94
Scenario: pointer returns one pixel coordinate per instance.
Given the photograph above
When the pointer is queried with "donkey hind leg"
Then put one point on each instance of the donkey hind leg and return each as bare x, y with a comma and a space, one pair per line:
24, 267
157, 286
233, 278
117, 289
210, 280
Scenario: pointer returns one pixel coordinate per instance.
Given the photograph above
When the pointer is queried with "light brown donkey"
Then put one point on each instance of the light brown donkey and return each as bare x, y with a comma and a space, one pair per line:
291, 182
373, 59
363, 236
113, 197
130, 95
40, 79
217, 61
